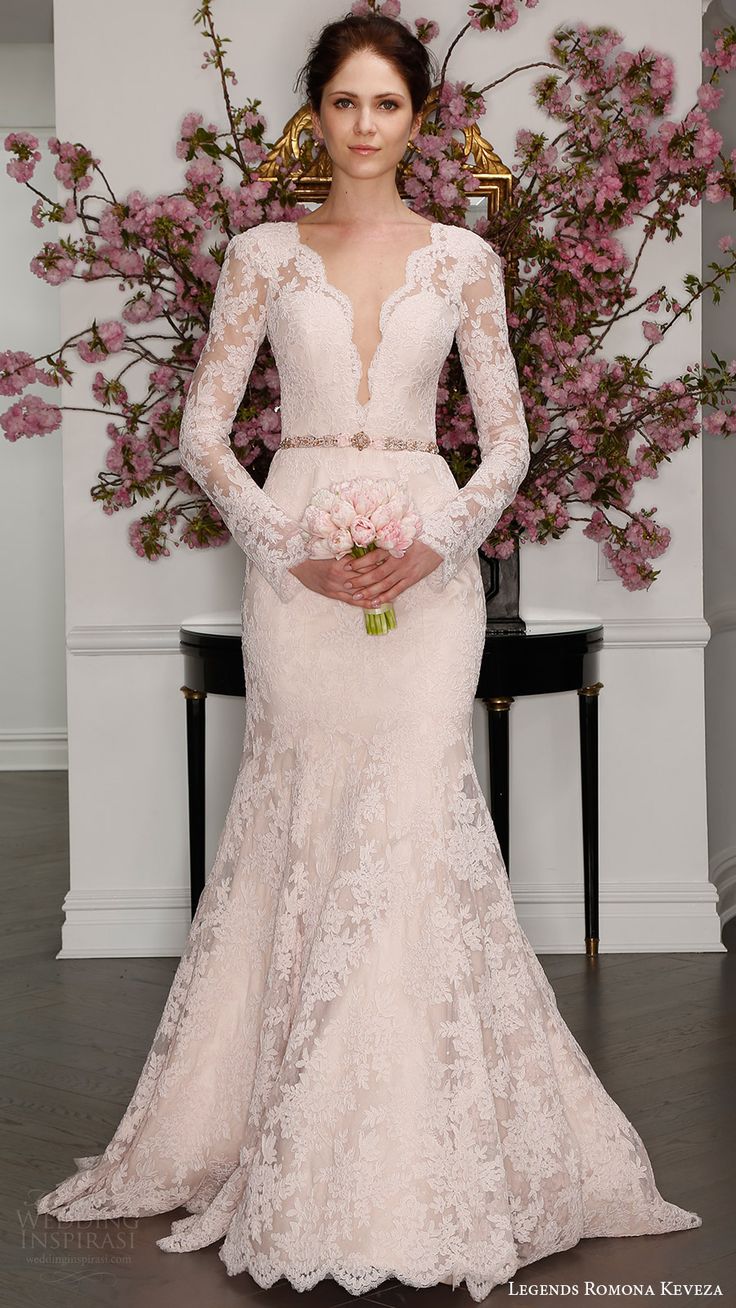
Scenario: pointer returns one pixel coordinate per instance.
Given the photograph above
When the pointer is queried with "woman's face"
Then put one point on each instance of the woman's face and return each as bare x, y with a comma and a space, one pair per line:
367, 103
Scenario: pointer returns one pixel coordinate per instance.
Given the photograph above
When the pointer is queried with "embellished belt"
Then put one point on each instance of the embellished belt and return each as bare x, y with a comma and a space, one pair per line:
360, 441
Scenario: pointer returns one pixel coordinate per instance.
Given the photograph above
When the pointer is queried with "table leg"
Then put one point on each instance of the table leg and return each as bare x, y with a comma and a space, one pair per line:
498, 742
195, 784
588, 706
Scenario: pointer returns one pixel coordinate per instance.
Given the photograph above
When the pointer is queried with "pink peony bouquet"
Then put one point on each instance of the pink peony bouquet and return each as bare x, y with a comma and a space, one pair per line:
357, 516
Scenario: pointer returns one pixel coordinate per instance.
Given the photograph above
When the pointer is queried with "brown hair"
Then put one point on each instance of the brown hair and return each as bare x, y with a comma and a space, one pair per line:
387, 37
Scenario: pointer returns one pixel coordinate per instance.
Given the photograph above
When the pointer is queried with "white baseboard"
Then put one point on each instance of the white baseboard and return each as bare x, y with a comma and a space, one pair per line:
33, 749
122, 923
649, 918
653, 918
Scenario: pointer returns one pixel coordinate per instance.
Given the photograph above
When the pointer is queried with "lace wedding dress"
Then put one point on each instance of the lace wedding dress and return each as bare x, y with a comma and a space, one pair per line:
361, 1071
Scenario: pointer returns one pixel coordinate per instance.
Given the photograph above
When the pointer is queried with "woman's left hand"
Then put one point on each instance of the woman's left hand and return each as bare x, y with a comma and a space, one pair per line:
378, 577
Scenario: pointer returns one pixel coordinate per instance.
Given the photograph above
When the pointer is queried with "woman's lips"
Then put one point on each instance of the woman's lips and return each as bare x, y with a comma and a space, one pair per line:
364, 149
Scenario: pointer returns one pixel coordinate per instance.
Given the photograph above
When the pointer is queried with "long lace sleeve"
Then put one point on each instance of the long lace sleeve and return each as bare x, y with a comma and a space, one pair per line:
460, 526
272, 540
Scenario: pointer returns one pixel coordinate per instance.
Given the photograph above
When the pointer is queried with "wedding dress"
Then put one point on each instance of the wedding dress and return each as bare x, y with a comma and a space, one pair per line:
361, 1071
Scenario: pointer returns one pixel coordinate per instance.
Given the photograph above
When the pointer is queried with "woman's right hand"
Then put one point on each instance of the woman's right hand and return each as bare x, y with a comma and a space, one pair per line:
338, 579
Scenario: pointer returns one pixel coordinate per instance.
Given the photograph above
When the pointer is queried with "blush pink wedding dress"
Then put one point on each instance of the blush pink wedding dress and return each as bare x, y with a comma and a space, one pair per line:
361, 1071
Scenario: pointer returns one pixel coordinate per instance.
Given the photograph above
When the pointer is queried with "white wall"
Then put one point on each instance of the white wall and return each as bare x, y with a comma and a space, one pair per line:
127, 758
32, 691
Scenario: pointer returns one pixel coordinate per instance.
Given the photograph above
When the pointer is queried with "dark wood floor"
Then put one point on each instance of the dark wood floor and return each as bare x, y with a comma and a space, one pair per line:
659, 1030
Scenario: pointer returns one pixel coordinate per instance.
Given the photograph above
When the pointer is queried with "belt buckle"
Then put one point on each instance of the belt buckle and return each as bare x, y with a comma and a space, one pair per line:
359, 440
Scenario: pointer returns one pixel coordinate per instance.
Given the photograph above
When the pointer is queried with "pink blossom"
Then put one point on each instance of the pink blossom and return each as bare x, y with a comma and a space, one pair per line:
715, 422
30, 416
394, 537
76, 164
362, 530
204, 172
427, 30
52, 264
724, 55
112, 334
147, 536
365, 495
164, 377
106, 338
318, 521
709, 96
17, 370
25, 146
339, 542
108, 391
143, 309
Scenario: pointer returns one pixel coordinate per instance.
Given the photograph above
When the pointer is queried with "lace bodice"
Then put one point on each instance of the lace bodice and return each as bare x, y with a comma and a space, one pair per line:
273, 283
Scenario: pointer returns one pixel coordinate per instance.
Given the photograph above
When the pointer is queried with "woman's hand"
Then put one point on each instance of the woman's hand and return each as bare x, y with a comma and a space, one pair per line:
373, 578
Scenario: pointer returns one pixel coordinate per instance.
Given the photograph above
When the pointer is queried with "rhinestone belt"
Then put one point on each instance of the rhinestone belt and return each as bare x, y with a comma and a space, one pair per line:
360, 441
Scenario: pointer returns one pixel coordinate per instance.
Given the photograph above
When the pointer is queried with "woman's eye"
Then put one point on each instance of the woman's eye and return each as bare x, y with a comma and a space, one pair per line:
345, 100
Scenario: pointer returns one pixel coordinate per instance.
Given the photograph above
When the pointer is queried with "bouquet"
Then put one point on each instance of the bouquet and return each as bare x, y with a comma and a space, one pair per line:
358, 516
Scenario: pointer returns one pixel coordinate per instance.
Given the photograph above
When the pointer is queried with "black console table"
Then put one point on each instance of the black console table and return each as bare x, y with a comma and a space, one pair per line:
560, 658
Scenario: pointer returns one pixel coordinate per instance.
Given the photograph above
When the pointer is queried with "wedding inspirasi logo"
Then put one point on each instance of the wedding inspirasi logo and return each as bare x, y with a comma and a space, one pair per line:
87, 1248
622, 1289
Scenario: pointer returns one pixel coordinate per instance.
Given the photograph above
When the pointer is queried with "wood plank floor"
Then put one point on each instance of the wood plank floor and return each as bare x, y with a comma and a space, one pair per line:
659, 1030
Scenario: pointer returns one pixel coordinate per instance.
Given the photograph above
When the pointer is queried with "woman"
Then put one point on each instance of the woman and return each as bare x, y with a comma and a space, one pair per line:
361, 1071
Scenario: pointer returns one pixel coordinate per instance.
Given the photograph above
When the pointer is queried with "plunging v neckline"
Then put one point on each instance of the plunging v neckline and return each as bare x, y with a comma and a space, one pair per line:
386, 306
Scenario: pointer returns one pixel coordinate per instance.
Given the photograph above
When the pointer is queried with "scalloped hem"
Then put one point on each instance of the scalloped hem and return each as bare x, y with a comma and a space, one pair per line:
361, 1282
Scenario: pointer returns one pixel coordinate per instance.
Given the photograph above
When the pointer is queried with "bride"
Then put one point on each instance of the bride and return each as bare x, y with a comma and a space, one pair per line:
361, 1071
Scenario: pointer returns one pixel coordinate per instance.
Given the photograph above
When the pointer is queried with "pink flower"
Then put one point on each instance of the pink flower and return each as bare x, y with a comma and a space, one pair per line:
52, 264
106, 338
427, 30
709, 96
17, 370
142, 309
30, 417
112, 334
340, 542
363, 531
25, 147
318, 521
394, 537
